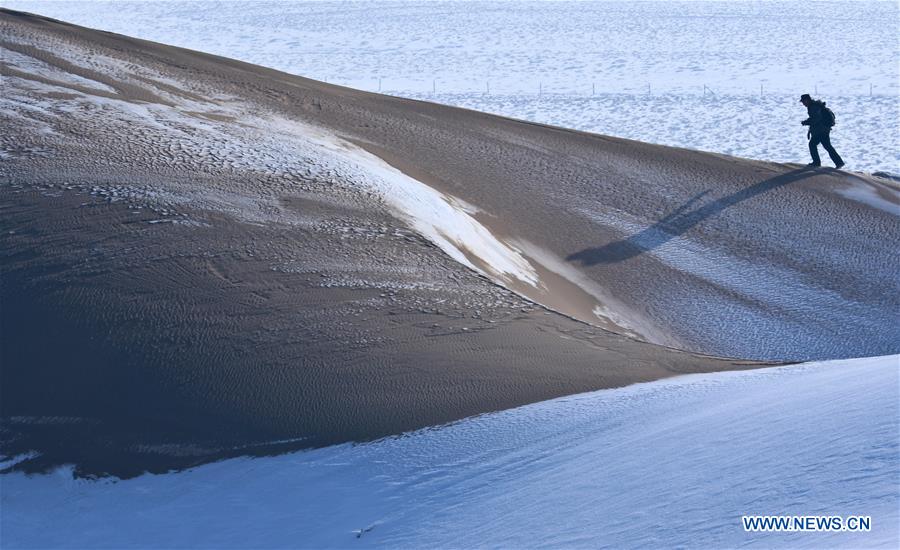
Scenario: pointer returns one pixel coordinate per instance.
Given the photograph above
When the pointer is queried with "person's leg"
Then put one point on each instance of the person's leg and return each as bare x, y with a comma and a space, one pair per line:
835, 157
814, 149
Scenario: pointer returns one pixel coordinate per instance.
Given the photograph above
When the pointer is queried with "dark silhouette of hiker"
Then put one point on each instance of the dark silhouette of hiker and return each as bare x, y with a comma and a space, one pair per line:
820, 121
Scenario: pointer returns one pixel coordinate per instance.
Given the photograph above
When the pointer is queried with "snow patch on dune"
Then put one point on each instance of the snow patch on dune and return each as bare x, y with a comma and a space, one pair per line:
439, 217
30, 65
865, 193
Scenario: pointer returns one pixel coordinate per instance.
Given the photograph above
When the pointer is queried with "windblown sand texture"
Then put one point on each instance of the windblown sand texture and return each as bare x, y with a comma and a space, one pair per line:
205, 258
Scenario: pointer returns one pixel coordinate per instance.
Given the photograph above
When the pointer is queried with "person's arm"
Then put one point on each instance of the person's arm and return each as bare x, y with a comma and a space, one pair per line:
810, 111
814, 120
815, 116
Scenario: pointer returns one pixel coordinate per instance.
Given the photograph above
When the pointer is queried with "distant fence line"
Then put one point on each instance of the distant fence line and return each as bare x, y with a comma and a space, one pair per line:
541, 89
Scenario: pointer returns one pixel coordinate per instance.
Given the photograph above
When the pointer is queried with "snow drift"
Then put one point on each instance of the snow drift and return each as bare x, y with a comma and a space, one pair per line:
672, 463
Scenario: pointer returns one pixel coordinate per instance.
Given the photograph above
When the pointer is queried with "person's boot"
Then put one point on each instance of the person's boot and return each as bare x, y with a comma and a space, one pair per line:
814, 164
839, 165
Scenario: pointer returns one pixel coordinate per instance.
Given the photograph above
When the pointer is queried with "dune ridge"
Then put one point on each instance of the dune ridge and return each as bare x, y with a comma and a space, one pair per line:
205, 258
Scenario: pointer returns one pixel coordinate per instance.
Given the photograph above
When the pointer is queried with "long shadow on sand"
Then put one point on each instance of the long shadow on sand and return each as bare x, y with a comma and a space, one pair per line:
679, 221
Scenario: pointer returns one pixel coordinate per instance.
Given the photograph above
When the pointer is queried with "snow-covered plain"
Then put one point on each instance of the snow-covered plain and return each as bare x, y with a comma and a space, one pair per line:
673, 463
716, 76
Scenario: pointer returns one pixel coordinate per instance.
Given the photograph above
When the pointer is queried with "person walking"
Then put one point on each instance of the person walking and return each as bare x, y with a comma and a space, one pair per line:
820, 121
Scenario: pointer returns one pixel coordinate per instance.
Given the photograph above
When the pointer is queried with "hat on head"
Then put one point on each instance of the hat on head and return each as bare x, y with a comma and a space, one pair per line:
805, 97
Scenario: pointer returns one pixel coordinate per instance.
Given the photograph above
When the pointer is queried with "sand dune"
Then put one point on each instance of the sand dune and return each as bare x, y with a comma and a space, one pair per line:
205, 258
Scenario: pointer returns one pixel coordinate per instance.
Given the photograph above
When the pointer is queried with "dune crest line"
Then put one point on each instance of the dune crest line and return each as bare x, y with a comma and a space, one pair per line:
201, 261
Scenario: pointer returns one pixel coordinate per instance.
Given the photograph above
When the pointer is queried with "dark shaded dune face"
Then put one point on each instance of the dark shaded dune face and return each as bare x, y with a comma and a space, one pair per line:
190, 347
203, 258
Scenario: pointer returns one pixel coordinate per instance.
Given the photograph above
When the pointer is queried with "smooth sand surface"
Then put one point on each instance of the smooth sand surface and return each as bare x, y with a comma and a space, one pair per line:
187, 275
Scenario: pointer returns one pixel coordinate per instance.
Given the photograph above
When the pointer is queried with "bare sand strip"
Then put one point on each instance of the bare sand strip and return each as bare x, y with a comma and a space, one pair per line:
205, 258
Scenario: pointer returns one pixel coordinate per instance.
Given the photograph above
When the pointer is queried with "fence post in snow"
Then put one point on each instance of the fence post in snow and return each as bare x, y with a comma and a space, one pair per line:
379, 83
433, 86
593, 89
870, 89
649, 91
760, 89
540, 89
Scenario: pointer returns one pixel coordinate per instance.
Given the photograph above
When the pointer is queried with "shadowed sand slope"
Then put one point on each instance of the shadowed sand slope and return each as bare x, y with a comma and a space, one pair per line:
204, 258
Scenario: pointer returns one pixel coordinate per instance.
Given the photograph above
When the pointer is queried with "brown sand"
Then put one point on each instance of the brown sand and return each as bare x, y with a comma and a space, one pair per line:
163, 307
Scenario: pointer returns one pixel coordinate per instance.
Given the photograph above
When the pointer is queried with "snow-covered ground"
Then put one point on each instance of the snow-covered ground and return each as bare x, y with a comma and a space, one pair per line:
716, 76
674, 463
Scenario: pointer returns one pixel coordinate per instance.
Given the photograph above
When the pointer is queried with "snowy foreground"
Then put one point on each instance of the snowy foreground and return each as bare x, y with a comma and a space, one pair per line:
669, 463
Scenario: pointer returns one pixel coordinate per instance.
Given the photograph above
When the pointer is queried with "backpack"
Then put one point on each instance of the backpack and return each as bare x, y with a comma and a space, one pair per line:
828, 116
